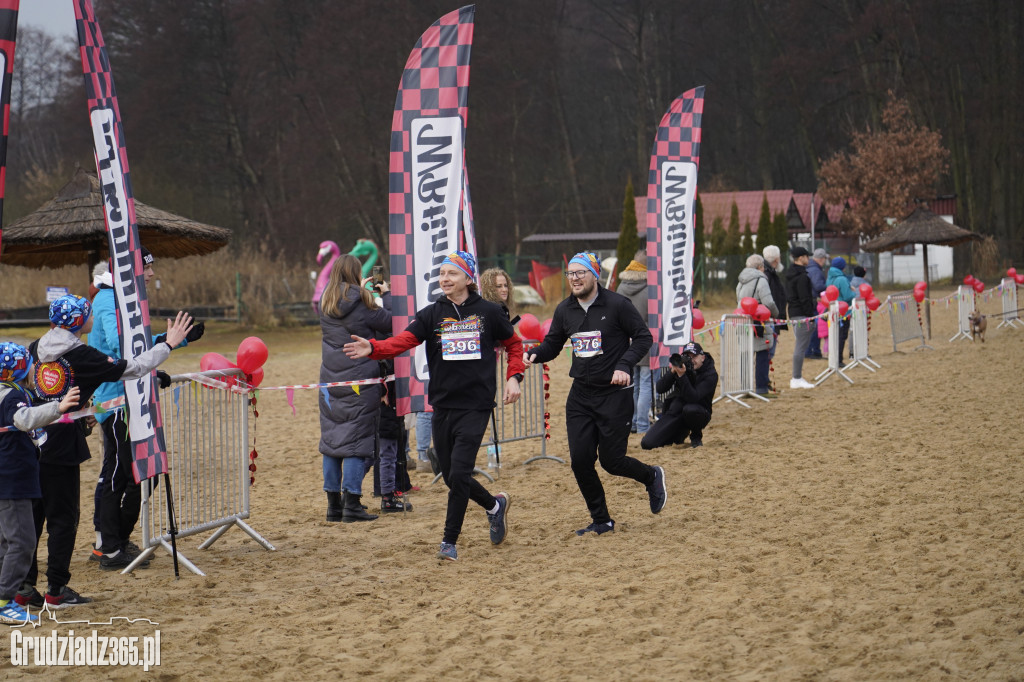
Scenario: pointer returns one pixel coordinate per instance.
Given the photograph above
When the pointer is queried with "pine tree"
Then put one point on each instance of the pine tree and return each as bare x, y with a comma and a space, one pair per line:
717, 237
698, 232
732, 236
748, 240
780, 233
765, 228
629, 240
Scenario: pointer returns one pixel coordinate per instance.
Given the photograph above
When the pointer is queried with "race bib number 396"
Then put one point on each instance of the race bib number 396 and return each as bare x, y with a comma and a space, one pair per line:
586, 344
460, 346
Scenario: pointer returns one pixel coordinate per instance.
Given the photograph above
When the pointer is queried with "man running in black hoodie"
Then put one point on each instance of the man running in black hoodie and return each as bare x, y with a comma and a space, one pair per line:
608, 338
691, 382
461, 331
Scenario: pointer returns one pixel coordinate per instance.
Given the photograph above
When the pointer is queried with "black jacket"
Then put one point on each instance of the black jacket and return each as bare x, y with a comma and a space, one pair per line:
799, 292
462, 384
778, 293
625, 338
695, 387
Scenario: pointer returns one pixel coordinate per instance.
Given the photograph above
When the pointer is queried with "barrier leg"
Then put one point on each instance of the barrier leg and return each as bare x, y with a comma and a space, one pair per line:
545, 456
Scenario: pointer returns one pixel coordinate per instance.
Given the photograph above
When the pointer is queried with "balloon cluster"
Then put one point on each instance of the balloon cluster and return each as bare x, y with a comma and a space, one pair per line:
1017, 277
920, 290
974, 283
252, 353
532, 329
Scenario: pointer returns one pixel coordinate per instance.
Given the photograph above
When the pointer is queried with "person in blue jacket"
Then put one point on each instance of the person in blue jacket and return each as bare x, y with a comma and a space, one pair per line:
118, 499
837, 277
819, 259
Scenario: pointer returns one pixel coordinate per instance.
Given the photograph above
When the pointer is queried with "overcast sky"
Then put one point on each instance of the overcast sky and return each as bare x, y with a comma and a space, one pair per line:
56, 17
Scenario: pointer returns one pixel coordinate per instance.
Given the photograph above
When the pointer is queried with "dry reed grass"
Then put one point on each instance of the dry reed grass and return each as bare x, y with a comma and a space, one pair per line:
263, 278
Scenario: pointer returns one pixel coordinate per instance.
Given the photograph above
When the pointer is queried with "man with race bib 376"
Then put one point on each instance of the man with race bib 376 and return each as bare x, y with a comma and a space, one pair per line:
608, 338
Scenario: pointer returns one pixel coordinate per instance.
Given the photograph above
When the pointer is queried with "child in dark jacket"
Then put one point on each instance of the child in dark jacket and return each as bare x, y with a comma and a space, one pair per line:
20, 434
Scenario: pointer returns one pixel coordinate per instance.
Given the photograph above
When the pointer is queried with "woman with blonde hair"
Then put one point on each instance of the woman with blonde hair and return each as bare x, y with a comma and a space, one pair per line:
349, 414
496, 287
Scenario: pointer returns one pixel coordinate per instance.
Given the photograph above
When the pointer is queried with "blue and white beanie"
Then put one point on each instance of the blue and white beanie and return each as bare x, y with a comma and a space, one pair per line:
15, 362
70, 312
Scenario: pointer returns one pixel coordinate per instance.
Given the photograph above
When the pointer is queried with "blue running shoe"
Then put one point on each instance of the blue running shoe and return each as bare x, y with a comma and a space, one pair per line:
447, 552
657, 491
597, 528
12, 613
498, 519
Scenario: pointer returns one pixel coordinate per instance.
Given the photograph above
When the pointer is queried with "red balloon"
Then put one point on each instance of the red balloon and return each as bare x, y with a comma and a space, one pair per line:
844, 308
865, 290
254, 379
215, 361
923, 286
831, 292
529, 327
1019, 278
698, 319
873, 303
1011, 272
969, 280
545, 327
252, 353
749, 305
918, 295
762, 313
979, 286
738, 311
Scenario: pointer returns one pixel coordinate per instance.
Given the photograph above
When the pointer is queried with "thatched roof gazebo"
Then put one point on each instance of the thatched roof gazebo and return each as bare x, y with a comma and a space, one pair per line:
922, 227
69, 230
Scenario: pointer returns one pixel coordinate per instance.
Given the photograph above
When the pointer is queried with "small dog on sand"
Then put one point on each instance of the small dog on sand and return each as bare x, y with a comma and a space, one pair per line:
978, 325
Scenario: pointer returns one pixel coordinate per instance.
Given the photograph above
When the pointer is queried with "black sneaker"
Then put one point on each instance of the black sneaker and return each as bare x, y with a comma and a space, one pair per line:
66, 598
498, 519
597, 528
119, 561
696, 440
657, 491
28, 595
435, 463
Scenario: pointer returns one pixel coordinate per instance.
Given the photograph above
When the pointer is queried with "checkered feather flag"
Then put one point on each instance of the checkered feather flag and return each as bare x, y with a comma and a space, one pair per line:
8, 33
427, 181
149, 456
671, 193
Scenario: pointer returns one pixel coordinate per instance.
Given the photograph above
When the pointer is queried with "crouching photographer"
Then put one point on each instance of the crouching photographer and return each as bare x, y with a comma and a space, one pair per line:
690, 382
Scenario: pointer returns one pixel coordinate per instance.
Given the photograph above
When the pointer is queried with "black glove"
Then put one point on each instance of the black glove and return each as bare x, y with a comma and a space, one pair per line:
164, 378
196, 332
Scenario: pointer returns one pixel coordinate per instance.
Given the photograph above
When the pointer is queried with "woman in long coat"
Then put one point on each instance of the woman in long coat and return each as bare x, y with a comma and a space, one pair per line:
349, 414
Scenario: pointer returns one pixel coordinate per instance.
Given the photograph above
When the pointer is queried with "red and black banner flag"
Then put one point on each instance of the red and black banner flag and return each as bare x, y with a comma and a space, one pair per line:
8, 33
141, 404
427, 181
671, 194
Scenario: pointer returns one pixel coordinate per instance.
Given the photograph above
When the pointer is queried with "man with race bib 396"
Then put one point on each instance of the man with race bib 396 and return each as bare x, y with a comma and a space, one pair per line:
608, 338
461, 332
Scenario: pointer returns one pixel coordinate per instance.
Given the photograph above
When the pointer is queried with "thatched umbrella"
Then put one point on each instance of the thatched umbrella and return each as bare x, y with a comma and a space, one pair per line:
69, 230
922, 227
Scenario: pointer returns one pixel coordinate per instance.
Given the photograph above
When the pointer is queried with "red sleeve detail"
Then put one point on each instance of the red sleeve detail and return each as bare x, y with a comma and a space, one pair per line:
514, 349
396, 345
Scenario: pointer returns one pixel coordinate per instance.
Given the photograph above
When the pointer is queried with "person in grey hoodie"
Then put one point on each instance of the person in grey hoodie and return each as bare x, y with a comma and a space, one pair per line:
753, 283
633, 285
63, 361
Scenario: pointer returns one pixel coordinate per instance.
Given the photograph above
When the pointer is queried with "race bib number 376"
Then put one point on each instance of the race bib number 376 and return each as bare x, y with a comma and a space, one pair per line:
460, 346
586, 344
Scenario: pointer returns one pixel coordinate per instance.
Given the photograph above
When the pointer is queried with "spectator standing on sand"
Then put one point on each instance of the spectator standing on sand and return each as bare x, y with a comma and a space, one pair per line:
608, 338
633, 285
814, 270
801, 309
772, 268
349, 415
461, 331
837, 278
753, 283
21, 425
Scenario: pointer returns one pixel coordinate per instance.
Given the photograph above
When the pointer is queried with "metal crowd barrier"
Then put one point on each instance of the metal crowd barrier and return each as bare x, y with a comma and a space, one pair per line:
1008, 294
965, 305
905, 320
833, 347
206, 431
859, 336
736, 364
522, 420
